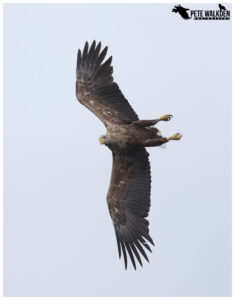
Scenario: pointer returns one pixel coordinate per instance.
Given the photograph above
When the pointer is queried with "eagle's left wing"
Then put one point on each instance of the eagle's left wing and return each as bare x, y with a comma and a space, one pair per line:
129, 202
96, 89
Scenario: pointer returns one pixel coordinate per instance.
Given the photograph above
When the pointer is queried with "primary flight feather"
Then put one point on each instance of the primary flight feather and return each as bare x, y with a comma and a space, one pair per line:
128, 196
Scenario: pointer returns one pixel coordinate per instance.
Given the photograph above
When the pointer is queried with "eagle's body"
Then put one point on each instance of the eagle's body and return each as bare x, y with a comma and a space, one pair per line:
128, 197
133, 135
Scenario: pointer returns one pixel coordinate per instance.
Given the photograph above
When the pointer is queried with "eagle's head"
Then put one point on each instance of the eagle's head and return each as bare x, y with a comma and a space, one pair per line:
104, 139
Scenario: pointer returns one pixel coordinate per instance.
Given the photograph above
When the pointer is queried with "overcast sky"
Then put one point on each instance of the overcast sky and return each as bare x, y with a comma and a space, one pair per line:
58, 235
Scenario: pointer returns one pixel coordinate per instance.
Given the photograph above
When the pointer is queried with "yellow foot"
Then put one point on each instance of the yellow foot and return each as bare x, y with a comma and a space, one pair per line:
165, 118
176, 136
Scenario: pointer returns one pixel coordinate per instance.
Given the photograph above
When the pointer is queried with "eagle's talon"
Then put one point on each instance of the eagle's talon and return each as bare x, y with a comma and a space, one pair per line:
176, 137
166, 118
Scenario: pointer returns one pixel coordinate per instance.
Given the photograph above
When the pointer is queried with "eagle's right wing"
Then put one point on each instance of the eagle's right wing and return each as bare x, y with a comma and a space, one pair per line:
129, 202
96, 90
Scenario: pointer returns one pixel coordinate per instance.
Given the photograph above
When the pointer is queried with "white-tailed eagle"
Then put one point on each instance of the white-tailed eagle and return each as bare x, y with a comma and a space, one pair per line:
128, 196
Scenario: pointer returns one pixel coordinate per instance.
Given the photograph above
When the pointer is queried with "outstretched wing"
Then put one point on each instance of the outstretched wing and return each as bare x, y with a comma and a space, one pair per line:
129, 202
96, 90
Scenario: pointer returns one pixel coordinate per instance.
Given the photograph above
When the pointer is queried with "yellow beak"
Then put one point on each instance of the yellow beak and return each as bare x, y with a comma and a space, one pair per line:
101, 141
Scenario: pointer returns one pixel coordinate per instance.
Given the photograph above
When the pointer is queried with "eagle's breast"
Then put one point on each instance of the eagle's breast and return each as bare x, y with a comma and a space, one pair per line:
119, 135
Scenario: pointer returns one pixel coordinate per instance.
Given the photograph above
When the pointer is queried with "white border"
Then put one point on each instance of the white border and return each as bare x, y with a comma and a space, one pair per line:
1, 131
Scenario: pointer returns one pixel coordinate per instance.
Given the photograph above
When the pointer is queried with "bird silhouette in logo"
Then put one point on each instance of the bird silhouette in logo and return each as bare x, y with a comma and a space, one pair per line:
182, 11
221, 7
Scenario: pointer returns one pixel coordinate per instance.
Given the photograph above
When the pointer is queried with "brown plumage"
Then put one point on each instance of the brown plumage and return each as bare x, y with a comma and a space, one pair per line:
128, 197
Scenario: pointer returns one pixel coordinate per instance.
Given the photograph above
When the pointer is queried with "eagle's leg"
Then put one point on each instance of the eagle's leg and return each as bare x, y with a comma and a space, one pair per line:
161, 140
148, 123
145, 123
155, 142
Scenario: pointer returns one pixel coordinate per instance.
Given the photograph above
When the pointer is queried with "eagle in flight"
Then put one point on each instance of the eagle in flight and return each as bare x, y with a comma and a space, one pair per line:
128, 196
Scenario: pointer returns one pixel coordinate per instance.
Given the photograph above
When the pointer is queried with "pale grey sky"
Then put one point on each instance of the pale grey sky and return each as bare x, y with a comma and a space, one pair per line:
58, 236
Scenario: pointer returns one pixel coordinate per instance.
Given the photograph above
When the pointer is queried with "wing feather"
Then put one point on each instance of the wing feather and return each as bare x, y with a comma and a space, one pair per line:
96, 89
124, 254
129, 202
136, 253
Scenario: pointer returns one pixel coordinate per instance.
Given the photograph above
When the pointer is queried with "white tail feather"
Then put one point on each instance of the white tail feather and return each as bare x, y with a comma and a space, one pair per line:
163, 146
